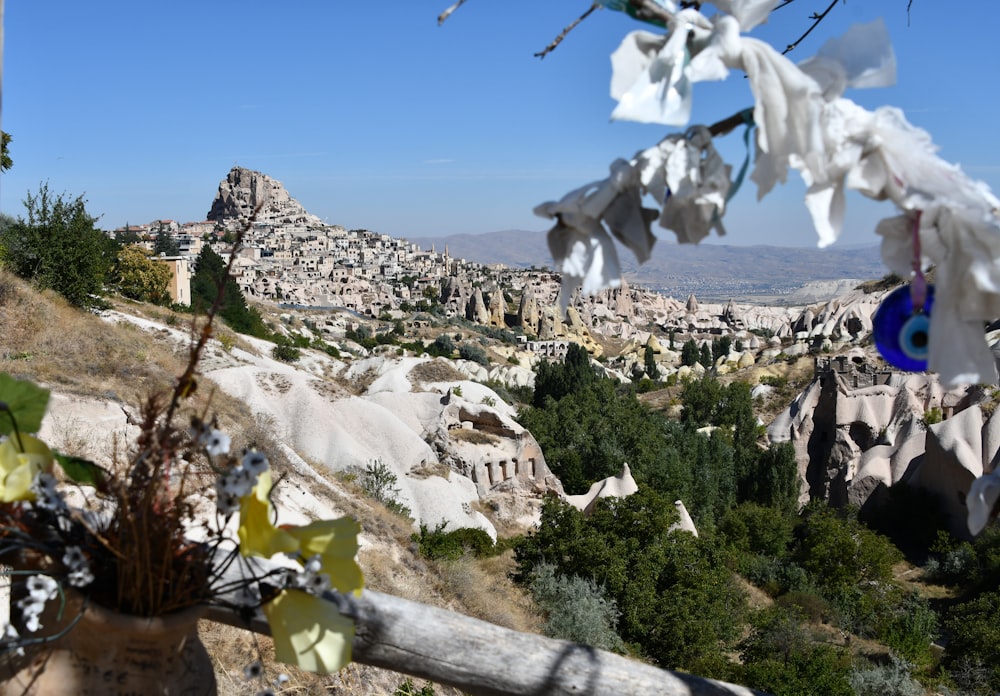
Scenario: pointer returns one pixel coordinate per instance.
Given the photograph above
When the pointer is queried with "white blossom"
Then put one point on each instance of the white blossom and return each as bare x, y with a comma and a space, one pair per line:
79, 569
254, 462
47, 496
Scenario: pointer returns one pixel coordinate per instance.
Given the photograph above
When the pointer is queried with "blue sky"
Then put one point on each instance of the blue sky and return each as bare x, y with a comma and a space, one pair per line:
374, 117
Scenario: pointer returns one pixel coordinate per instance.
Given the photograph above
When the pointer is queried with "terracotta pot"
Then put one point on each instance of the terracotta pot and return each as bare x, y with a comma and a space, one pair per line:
106, 652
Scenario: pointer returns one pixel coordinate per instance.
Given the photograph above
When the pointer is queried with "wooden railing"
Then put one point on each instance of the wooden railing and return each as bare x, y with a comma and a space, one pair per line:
485, 659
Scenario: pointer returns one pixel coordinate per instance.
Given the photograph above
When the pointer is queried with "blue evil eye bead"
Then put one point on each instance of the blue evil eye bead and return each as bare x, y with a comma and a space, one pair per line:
901, 335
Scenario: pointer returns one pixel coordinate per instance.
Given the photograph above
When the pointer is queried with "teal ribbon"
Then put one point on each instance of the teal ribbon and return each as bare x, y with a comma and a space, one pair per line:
747, 115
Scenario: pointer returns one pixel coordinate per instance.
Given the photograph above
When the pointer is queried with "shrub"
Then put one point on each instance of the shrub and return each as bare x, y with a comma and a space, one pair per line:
910, 629
577, 609
407, 688
441, 545
58, 247
974, 641
473, 353
286, 353
379, 481
892, 678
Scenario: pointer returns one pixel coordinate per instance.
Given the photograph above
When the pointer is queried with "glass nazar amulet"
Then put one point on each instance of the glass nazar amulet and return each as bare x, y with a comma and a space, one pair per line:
901, 328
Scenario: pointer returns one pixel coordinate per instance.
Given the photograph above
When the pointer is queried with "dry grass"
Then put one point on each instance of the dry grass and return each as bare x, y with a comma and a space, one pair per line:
51, 342
473, 437
76, 352
437, 370
428, 469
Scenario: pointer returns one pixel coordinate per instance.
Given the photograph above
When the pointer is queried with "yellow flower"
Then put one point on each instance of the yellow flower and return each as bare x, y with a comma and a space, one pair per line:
258, 536
336, 543
18, 468
309, 632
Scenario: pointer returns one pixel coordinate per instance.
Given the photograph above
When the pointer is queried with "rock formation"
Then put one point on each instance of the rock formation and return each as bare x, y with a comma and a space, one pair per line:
858, 430
243, 190
614, 486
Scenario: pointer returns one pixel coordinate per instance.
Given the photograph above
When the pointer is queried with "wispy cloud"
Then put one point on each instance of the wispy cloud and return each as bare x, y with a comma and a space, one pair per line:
438, 161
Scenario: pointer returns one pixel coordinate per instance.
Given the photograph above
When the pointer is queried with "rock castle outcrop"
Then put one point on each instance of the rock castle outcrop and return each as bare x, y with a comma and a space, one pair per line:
243, 190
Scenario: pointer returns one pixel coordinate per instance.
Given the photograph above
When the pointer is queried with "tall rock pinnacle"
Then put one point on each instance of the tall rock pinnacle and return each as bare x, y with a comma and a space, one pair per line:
244, 189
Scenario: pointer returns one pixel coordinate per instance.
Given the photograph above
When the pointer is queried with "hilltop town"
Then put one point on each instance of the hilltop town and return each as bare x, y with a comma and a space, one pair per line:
292, 259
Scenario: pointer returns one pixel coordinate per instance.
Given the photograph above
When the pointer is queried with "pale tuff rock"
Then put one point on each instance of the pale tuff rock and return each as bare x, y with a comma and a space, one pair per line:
528, 315
685, 523
476, 310
497, 309
618, 486
858, 430
243, 190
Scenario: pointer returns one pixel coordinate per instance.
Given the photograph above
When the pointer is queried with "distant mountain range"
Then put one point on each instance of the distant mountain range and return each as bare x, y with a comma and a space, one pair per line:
709, 271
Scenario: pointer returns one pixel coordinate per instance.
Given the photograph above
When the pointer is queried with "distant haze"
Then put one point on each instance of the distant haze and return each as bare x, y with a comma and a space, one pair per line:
709, 271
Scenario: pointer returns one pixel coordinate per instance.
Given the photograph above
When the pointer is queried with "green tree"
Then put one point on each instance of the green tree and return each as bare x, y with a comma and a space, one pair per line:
705, 356
779, 658
679, 604
974, 642
649, 360
841, 553
5, 161
556, 380
139, 277
165, 244
689, 353
58, 247
205, 288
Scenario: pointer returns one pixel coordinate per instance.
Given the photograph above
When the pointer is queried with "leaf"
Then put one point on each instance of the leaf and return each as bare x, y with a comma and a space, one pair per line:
25, 401
81, 470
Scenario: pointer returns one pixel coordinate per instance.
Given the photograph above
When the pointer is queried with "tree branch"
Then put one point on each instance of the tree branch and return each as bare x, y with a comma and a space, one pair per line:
447, 13
562, 35
817, 19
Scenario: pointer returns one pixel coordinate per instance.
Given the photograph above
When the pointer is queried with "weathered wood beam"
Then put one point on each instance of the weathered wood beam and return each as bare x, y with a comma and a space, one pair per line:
484, 659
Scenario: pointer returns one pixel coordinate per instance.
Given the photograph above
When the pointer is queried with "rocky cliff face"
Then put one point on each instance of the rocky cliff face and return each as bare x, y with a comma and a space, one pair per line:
243, 190
859, 429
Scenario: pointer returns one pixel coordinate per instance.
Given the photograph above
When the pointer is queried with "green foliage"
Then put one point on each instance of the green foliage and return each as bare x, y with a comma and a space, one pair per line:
779, 658
165, 244
678, 602
442, 346
379, 481
910, 628
473, 353
841, 553
689, 353
721, 347
751, 528
205, 288
139, 277
58, 247
437, 544
577, 608
705, 356
650, 366
883, 679
285, 352
5, 160
556, 380
22, 405
407, 688
974, 641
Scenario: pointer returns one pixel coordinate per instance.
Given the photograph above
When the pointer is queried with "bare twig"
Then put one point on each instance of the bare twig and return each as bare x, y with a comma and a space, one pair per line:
562, 35
447, 13
817, 18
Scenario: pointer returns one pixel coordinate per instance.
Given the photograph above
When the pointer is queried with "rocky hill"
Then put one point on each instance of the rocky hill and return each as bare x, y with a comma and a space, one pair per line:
243, 190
